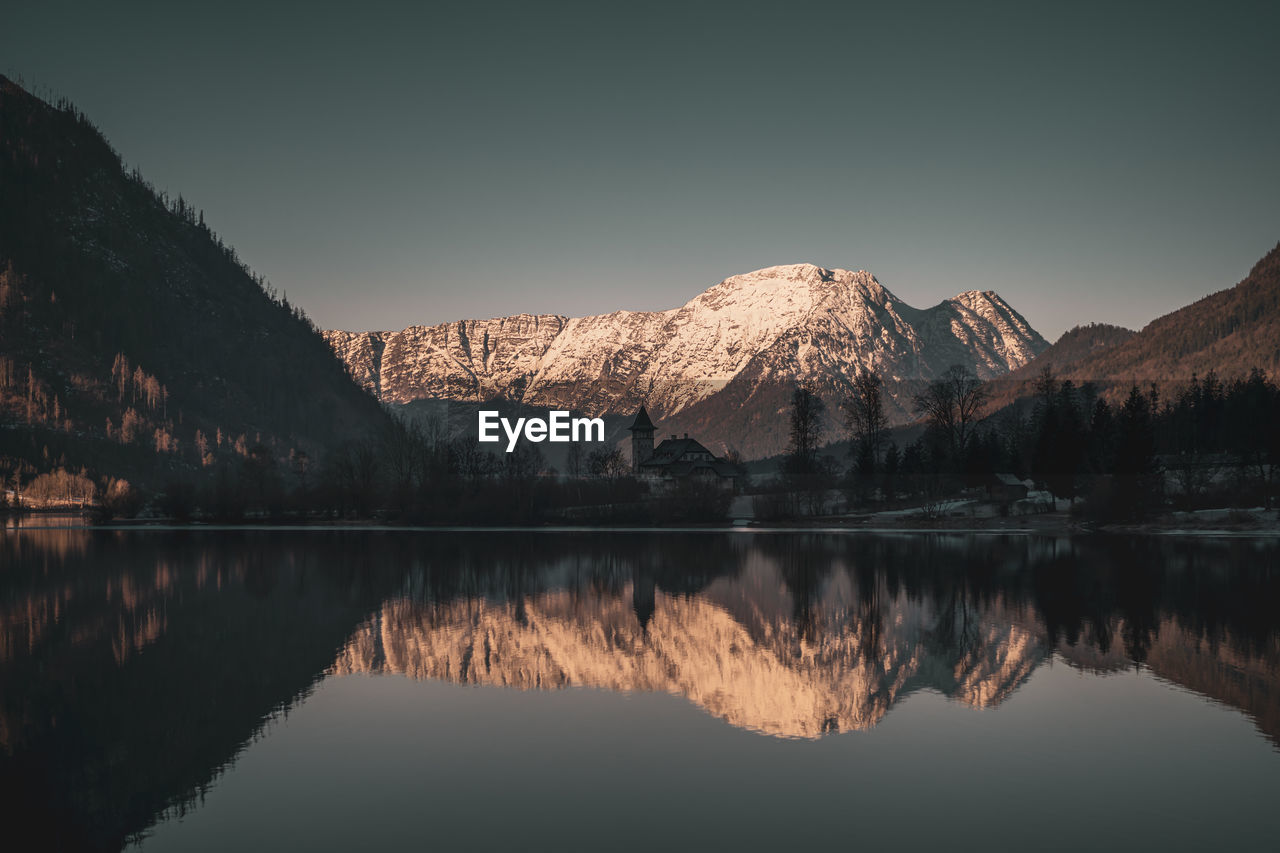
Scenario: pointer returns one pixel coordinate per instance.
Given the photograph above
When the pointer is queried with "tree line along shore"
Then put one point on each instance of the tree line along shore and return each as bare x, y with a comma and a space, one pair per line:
1094, 455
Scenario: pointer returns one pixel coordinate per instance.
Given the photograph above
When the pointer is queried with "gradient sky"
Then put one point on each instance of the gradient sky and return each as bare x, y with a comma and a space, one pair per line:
387, 164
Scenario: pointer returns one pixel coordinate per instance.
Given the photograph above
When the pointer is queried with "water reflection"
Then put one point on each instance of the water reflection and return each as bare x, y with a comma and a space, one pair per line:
804, 637
134, 666
735, 648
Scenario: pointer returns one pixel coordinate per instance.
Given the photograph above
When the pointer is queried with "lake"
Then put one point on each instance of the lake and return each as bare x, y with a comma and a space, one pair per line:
636, 690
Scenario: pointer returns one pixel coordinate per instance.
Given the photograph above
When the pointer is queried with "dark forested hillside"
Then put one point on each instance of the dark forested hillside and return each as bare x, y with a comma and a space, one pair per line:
1075, 346
133, 342
1230, 332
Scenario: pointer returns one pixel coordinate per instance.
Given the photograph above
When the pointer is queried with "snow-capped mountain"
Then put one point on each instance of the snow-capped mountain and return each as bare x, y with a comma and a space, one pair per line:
750, 335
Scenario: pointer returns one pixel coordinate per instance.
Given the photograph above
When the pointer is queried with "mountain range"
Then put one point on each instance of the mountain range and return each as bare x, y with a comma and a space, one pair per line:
724, 363
134, 341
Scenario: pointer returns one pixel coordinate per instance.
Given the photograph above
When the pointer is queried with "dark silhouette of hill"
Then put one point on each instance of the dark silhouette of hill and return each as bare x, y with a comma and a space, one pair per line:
1074, 346
1231, 332
1070, 349
133, 341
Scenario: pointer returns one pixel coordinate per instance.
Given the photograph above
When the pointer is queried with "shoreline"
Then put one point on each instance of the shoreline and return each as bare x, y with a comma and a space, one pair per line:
1048, 524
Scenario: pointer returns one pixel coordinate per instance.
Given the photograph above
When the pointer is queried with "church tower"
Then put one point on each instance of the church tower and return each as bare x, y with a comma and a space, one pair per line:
641, 439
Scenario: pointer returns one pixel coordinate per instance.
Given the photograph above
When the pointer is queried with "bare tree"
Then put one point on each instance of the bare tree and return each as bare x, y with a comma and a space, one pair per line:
473, 464
607, 463
806, 432
865, 415
524, 463
574, 462
399, 445
952, 403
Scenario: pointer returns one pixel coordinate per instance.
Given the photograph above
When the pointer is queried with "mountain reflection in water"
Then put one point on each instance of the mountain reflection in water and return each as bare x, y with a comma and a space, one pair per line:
805, 635
134, 666
737, 648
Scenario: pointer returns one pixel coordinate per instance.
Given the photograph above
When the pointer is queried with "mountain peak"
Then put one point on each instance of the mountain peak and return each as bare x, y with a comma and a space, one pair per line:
970, 298
783, 294
803, 272
742, 342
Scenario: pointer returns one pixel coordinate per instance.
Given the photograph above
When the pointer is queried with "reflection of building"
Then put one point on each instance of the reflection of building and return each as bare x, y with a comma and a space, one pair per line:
643, 597
676, 459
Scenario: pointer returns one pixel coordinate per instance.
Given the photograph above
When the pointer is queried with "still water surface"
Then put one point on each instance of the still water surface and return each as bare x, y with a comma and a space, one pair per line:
630, 690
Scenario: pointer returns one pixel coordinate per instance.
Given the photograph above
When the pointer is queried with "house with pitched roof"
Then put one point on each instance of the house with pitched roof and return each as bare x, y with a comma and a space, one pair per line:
676, 459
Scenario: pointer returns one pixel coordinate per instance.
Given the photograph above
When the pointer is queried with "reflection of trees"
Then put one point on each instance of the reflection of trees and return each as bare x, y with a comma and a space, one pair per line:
870, 613
989, 608
1075, 593
165, 656
803, 567
955, 629
161, 655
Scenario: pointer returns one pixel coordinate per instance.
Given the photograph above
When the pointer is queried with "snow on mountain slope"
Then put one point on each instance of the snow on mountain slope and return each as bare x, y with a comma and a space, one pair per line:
776, 325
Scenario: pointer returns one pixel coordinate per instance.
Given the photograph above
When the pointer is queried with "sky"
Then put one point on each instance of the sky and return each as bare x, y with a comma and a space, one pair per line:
390, 164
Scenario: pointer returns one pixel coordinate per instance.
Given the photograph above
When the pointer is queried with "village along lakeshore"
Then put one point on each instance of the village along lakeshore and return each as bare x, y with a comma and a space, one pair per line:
666, 427
1193, 455
149, 374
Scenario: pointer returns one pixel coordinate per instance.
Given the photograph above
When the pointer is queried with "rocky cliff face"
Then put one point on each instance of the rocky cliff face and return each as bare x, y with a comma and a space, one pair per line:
765, 329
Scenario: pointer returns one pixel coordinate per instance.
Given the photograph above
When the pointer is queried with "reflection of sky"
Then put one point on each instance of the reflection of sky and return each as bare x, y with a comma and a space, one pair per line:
384, 759
697, 672
393, 163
